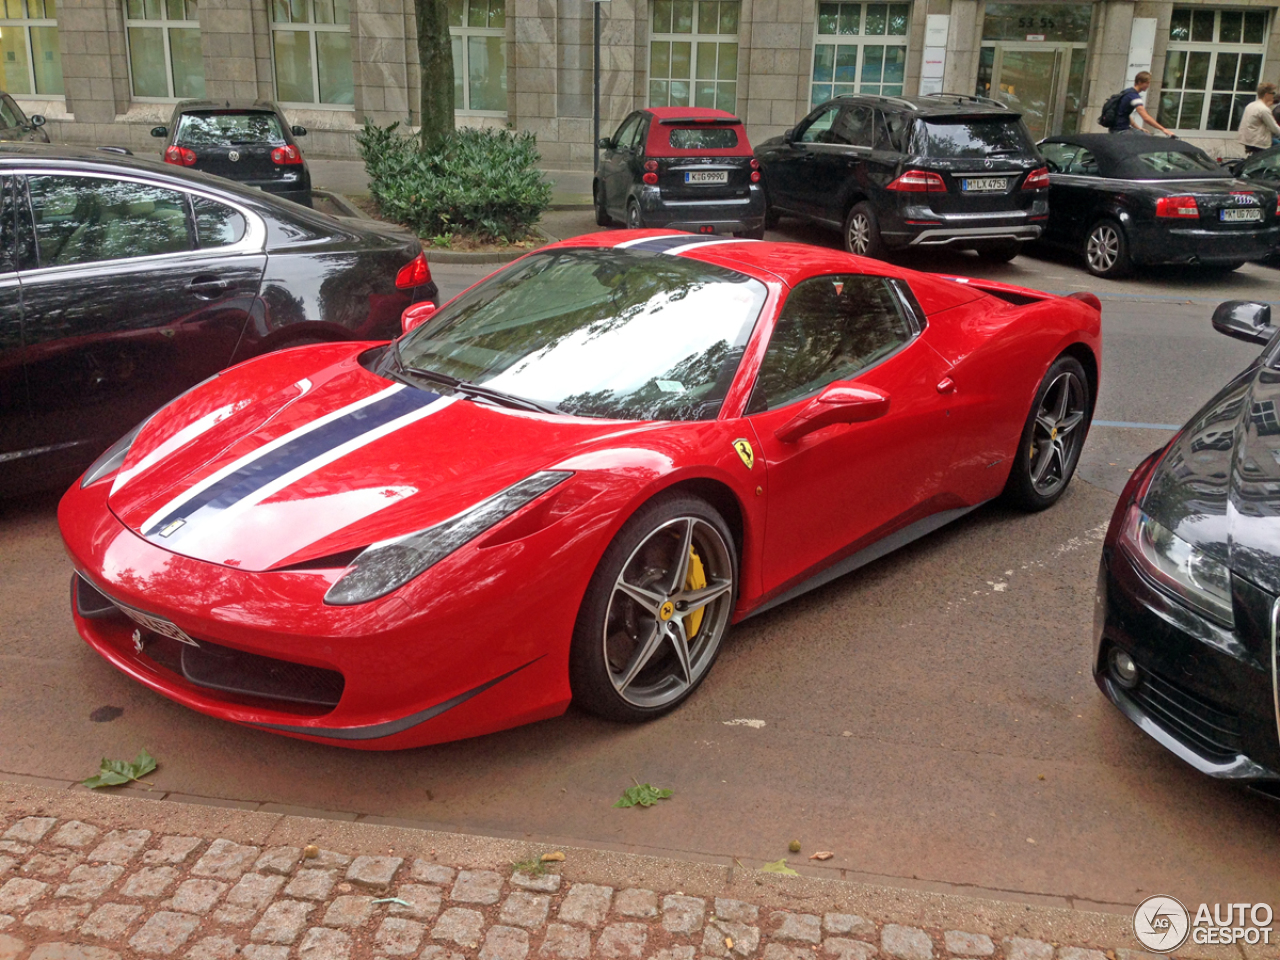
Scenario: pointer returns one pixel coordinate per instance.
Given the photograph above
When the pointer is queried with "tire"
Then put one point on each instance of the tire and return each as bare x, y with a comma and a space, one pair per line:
1106, 251
861, 232
625, 662
602, 214
1045, 461
771, 216
635, 219
756, 234
1000, 252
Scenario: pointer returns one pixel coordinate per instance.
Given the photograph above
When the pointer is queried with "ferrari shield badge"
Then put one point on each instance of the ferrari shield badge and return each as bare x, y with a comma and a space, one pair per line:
745, 452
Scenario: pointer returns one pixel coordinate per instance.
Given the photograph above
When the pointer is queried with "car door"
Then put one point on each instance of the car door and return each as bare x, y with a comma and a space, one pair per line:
1074, 194
790, 165
17, 444
615, 166
839, 159
841, 487
133, 291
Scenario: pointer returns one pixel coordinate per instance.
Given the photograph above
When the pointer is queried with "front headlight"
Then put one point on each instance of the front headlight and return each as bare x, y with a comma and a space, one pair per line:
111, 461
386, 566
1187, 572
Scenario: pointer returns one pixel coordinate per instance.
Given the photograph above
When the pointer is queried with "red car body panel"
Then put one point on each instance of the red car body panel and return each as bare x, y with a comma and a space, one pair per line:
480, 641
658, 142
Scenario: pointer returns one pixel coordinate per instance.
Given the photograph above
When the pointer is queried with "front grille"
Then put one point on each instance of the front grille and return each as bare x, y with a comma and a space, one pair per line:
1206, 729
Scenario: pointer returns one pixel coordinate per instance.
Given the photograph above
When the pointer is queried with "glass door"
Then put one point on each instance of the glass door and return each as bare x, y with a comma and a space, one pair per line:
1043, 81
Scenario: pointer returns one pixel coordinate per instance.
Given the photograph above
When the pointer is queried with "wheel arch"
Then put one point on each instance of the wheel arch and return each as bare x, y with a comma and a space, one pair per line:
721, 496
1082, 352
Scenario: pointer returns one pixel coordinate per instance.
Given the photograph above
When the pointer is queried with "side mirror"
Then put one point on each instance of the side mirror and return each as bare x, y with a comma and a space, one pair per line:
1244, 320
298, 131
159, 131
789, 136
416, 315
839, 403
604, 143
37, 120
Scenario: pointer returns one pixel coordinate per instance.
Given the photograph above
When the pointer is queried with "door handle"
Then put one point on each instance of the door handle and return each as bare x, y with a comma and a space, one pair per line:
207, 288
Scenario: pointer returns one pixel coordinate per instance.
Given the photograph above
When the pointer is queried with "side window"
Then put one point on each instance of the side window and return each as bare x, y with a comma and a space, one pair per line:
90, 219
626, 133
640, 133
856, 124
820, 125
1058, 156
1084, 164
1266, 169
899, 131
830, 328
217, 225
9, 112
8, 234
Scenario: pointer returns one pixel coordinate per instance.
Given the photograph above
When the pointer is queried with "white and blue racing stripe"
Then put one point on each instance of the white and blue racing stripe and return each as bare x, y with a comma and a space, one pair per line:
262, 472
675, 243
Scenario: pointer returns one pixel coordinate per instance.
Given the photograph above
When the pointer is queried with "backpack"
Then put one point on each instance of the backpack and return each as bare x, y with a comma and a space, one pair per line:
1111, 110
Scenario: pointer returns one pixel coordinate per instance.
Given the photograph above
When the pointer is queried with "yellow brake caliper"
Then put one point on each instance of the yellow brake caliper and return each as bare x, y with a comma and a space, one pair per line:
696, 579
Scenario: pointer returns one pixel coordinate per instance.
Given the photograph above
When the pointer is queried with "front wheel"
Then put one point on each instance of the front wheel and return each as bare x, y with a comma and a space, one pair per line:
655, 612
1106, 251
862, 232
635, 219
1052, 438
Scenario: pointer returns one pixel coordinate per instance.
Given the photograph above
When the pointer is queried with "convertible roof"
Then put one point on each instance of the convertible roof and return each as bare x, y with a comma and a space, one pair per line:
1117, 154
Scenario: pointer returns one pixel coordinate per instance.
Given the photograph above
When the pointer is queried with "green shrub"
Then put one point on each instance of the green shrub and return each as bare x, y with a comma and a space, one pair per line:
483, 184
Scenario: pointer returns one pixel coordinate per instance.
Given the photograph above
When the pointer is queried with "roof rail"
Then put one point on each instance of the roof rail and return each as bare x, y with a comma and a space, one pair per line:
965, 98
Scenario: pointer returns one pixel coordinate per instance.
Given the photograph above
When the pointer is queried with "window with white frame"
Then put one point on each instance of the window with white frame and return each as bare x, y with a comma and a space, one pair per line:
860, 48
311, 46
693, 54
165, 60
1212, 67
29, 48
478, 30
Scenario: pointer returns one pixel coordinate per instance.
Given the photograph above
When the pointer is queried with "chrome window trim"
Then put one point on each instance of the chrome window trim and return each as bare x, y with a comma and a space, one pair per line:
254, 240
1275, 669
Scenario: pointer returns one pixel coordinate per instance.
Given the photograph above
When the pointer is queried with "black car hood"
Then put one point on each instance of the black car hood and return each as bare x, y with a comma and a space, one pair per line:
1218, 486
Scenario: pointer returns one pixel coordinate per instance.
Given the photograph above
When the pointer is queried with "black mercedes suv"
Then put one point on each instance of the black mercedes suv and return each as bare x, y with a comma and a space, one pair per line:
894, 172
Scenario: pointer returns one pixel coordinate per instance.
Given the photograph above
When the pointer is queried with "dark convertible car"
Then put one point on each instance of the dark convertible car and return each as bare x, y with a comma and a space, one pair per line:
1123, 200
1189, 585
124, 282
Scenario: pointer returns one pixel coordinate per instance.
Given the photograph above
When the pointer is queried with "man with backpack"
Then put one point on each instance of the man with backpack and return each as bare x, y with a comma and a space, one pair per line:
1117, 112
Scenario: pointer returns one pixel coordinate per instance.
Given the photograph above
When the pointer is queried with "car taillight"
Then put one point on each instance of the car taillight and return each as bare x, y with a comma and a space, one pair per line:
651, 165
414, 273
755, 176
755, 164
181, 156
1177, 207
286, 155
650, 178
1278, 206
1036, 179
918, 181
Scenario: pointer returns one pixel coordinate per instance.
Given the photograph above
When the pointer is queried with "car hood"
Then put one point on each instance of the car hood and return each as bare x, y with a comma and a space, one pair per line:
305, 454
1218, 486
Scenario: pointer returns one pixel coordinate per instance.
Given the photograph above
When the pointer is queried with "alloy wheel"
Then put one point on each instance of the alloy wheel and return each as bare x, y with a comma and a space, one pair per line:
1056, 438
634, 220
668, 612
860, 234
1103, 248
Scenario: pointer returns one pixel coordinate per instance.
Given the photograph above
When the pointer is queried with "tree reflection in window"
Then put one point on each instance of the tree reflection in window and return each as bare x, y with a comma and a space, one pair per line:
599, 333
90, 219
217, 225
830, 328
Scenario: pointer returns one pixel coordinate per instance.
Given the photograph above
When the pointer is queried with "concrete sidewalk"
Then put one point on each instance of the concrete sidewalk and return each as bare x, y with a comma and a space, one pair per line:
348, 177
92, 877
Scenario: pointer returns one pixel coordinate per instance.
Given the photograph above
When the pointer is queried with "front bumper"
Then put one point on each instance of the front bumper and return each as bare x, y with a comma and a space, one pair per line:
1150, 245
1203, 692
732, 215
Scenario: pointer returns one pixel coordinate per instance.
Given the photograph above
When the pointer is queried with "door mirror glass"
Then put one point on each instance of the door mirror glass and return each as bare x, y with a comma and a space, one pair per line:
604, 143
416, 315
37, 120
159, 131
1244, 320
298, 131
839, 403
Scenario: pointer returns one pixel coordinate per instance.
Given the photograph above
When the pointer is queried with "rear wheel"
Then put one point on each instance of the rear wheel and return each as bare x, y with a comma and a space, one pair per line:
1106, 252
862, 232
602, 215
635, 219
756, 234
1052, 438
655, 612
1001, 251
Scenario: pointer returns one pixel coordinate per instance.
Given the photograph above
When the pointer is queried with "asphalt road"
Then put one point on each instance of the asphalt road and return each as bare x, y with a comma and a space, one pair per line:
930, 719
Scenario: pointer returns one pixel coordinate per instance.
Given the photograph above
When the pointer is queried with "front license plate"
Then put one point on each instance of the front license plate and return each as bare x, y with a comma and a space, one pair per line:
706, 176
166, 628
1240, 216
984, 184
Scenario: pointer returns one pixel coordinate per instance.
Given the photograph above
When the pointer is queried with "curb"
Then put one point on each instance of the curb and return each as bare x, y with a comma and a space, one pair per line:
456, 256
729, 878
340, 201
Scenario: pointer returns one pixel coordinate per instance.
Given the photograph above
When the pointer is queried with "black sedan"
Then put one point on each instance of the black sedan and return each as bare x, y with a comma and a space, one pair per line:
123, 282
1126, 200
1189, 585
251, 142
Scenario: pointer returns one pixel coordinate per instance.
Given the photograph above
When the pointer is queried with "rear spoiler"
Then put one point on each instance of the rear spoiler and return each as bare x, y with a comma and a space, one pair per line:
680, 121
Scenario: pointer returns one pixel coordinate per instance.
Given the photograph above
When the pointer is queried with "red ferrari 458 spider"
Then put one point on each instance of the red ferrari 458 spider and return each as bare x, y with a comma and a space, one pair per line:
565, 484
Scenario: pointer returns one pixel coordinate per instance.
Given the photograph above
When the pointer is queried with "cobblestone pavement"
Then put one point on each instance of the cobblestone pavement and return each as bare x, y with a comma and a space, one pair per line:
98, 886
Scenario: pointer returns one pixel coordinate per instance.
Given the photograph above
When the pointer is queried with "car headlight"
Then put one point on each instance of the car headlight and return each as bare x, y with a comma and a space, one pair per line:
1184, 570
389, 565
112, 459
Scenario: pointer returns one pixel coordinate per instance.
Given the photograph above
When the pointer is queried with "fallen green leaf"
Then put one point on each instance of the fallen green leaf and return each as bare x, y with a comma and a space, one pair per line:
779, 866
641, 795
112, 773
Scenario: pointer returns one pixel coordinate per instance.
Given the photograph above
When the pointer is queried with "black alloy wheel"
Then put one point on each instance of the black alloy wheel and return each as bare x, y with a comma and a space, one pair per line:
1106, 251
1052, 438
862, 232
655, 612
635, 219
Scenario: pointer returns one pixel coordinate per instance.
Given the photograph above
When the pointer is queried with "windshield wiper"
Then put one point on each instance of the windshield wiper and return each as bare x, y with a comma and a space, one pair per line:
404, 373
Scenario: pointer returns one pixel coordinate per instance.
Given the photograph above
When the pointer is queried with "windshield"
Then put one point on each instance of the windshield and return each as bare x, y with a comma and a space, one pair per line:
1005, 136
598, 333
223, 129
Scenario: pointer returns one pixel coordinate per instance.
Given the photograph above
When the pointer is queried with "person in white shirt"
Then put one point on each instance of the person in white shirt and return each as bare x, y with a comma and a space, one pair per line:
1257, 125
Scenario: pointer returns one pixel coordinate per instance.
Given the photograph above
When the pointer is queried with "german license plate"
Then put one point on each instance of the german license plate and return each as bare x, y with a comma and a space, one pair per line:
706, 176
984, 184
1240, 215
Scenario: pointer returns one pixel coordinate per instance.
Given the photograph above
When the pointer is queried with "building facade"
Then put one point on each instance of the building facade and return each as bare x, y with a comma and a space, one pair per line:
106, 71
